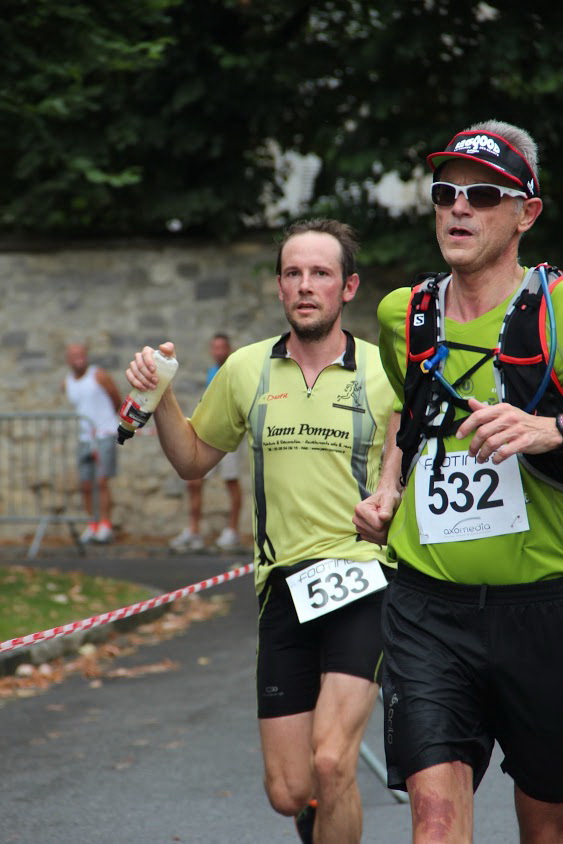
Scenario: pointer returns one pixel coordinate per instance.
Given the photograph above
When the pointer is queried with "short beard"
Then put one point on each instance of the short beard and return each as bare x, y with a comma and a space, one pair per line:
311, 333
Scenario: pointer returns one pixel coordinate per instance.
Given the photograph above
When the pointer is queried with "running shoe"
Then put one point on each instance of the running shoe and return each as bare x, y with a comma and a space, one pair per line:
104, 533
186, 540
180, 541
228, 539
89, 534
196, 543
305, 822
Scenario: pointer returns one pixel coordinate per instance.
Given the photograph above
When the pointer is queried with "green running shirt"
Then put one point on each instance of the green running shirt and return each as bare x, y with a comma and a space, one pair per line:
314, 453
524, 557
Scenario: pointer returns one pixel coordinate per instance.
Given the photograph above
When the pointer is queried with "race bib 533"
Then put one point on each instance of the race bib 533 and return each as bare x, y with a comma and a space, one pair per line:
326, 585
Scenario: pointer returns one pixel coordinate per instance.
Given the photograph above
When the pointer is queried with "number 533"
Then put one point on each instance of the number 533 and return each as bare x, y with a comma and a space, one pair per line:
336, 589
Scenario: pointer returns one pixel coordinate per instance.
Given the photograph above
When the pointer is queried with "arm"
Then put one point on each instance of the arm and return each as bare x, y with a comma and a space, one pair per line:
189, 455
507, 430
105, 380
374, 514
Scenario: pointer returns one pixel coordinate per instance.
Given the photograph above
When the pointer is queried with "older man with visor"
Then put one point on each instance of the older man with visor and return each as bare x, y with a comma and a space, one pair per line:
472, 623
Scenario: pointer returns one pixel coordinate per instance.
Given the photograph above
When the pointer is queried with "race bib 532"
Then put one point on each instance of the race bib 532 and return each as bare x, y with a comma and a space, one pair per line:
468, 500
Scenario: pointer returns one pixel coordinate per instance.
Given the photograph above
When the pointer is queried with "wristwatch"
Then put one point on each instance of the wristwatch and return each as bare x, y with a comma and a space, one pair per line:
559, 423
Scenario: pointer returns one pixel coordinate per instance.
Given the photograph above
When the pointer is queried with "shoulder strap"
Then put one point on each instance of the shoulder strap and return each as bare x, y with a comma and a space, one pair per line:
557, 279
422, 315
523, 357
523, 346
422, 332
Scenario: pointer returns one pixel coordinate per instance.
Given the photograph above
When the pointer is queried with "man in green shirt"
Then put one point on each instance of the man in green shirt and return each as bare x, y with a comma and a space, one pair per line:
315, 404
472, 623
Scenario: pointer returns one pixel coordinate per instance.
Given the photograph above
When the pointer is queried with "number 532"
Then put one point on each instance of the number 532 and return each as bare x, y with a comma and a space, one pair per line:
459, 496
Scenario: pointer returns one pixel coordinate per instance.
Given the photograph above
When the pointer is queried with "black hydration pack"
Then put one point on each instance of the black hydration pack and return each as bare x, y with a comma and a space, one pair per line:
520, 370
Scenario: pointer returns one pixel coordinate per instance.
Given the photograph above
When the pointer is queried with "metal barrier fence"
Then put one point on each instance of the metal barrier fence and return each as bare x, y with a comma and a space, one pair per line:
38, 472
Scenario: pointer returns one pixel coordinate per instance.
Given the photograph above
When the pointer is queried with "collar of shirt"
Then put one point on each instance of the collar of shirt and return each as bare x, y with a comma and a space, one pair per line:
347, 359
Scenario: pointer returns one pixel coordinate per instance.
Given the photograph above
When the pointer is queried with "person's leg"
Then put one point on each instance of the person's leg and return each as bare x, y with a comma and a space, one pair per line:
343, 710
85, 460
190, 537
105, 469
195, 494
102, 508
287, 685
438, 737
104, 500
286, 748
89, 532
86, 489
539, 822
86, 476
315, 695
229, 469
235, 496
526, 637
441, 799
350, 658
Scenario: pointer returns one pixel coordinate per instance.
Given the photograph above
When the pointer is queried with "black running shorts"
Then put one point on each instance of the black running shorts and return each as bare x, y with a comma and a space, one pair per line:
292, 656
465, 665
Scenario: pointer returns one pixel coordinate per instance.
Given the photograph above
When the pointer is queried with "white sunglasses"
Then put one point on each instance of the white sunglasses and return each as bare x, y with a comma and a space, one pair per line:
483, 195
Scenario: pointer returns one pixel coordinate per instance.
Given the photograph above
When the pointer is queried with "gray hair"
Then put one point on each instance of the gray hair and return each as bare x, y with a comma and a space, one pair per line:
519, 138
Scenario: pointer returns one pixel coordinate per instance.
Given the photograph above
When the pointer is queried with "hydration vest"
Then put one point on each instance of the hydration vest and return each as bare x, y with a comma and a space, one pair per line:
520, 362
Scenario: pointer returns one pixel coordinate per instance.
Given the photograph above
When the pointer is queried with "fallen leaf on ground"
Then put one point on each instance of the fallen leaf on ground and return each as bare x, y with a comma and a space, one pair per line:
93, 661
174, 745
141, 670
123, 764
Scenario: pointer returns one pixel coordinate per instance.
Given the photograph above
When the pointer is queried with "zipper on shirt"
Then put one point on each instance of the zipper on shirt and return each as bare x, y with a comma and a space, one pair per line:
310, 389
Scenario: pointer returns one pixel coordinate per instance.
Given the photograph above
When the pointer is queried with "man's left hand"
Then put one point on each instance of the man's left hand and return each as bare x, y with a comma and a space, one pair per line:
505, 430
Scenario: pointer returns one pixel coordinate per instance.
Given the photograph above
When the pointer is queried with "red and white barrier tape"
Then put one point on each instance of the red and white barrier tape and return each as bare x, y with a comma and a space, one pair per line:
125, 612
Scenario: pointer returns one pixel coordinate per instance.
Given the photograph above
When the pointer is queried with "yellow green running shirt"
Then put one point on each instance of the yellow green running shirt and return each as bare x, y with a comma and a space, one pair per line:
314, 453
535, 554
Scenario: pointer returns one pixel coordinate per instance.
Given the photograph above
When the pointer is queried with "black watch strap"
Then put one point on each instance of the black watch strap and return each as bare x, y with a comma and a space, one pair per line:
559, 423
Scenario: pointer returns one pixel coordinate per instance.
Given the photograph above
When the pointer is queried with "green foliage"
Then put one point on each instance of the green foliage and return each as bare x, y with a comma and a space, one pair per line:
116, 117
385, 85
66, 142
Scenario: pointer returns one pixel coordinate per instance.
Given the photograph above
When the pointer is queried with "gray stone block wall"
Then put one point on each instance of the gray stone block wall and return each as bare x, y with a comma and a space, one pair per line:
119, 298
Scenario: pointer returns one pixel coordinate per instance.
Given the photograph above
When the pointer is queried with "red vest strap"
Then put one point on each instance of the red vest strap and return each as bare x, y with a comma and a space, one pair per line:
543, 333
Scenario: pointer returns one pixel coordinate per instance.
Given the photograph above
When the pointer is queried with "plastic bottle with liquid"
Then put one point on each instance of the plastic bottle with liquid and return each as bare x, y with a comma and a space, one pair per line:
138, 406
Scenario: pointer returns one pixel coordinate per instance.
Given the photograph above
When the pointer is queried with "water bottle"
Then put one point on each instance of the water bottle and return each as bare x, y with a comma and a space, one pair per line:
138, 406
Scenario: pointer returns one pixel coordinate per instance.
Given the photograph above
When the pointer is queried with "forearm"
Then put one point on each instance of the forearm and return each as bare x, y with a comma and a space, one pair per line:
390, 477
373, 515
188, 454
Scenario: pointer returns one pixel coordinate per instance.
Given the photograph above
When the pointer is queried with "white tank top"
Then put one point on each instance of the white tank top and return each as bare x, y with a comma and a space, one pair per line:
91, 401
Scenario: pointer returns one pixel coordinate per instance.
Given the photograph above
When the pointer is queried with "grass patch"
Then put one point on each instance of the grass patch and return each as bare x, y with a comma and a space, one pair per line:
33, 600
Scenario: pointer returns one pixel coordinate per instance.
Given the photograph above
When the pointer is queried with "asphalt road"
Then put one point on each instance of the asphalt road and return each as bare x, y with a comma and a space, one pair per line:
174, 757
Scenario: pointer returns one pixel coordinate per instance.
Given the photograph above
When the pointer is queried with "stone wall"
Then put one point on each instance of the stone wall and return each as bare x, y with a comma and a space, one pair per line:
118, 298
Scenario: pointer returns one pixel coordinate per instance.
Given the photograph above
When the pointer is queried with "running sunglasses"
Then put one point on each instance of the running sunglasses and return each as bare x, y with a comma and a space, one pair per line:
445, 194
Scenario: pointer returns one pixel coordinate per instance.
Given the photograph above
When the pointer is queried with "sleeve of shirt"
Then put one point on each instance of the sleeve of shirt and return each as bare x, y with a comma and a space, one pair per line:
218, 419
386, 397
392, 343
